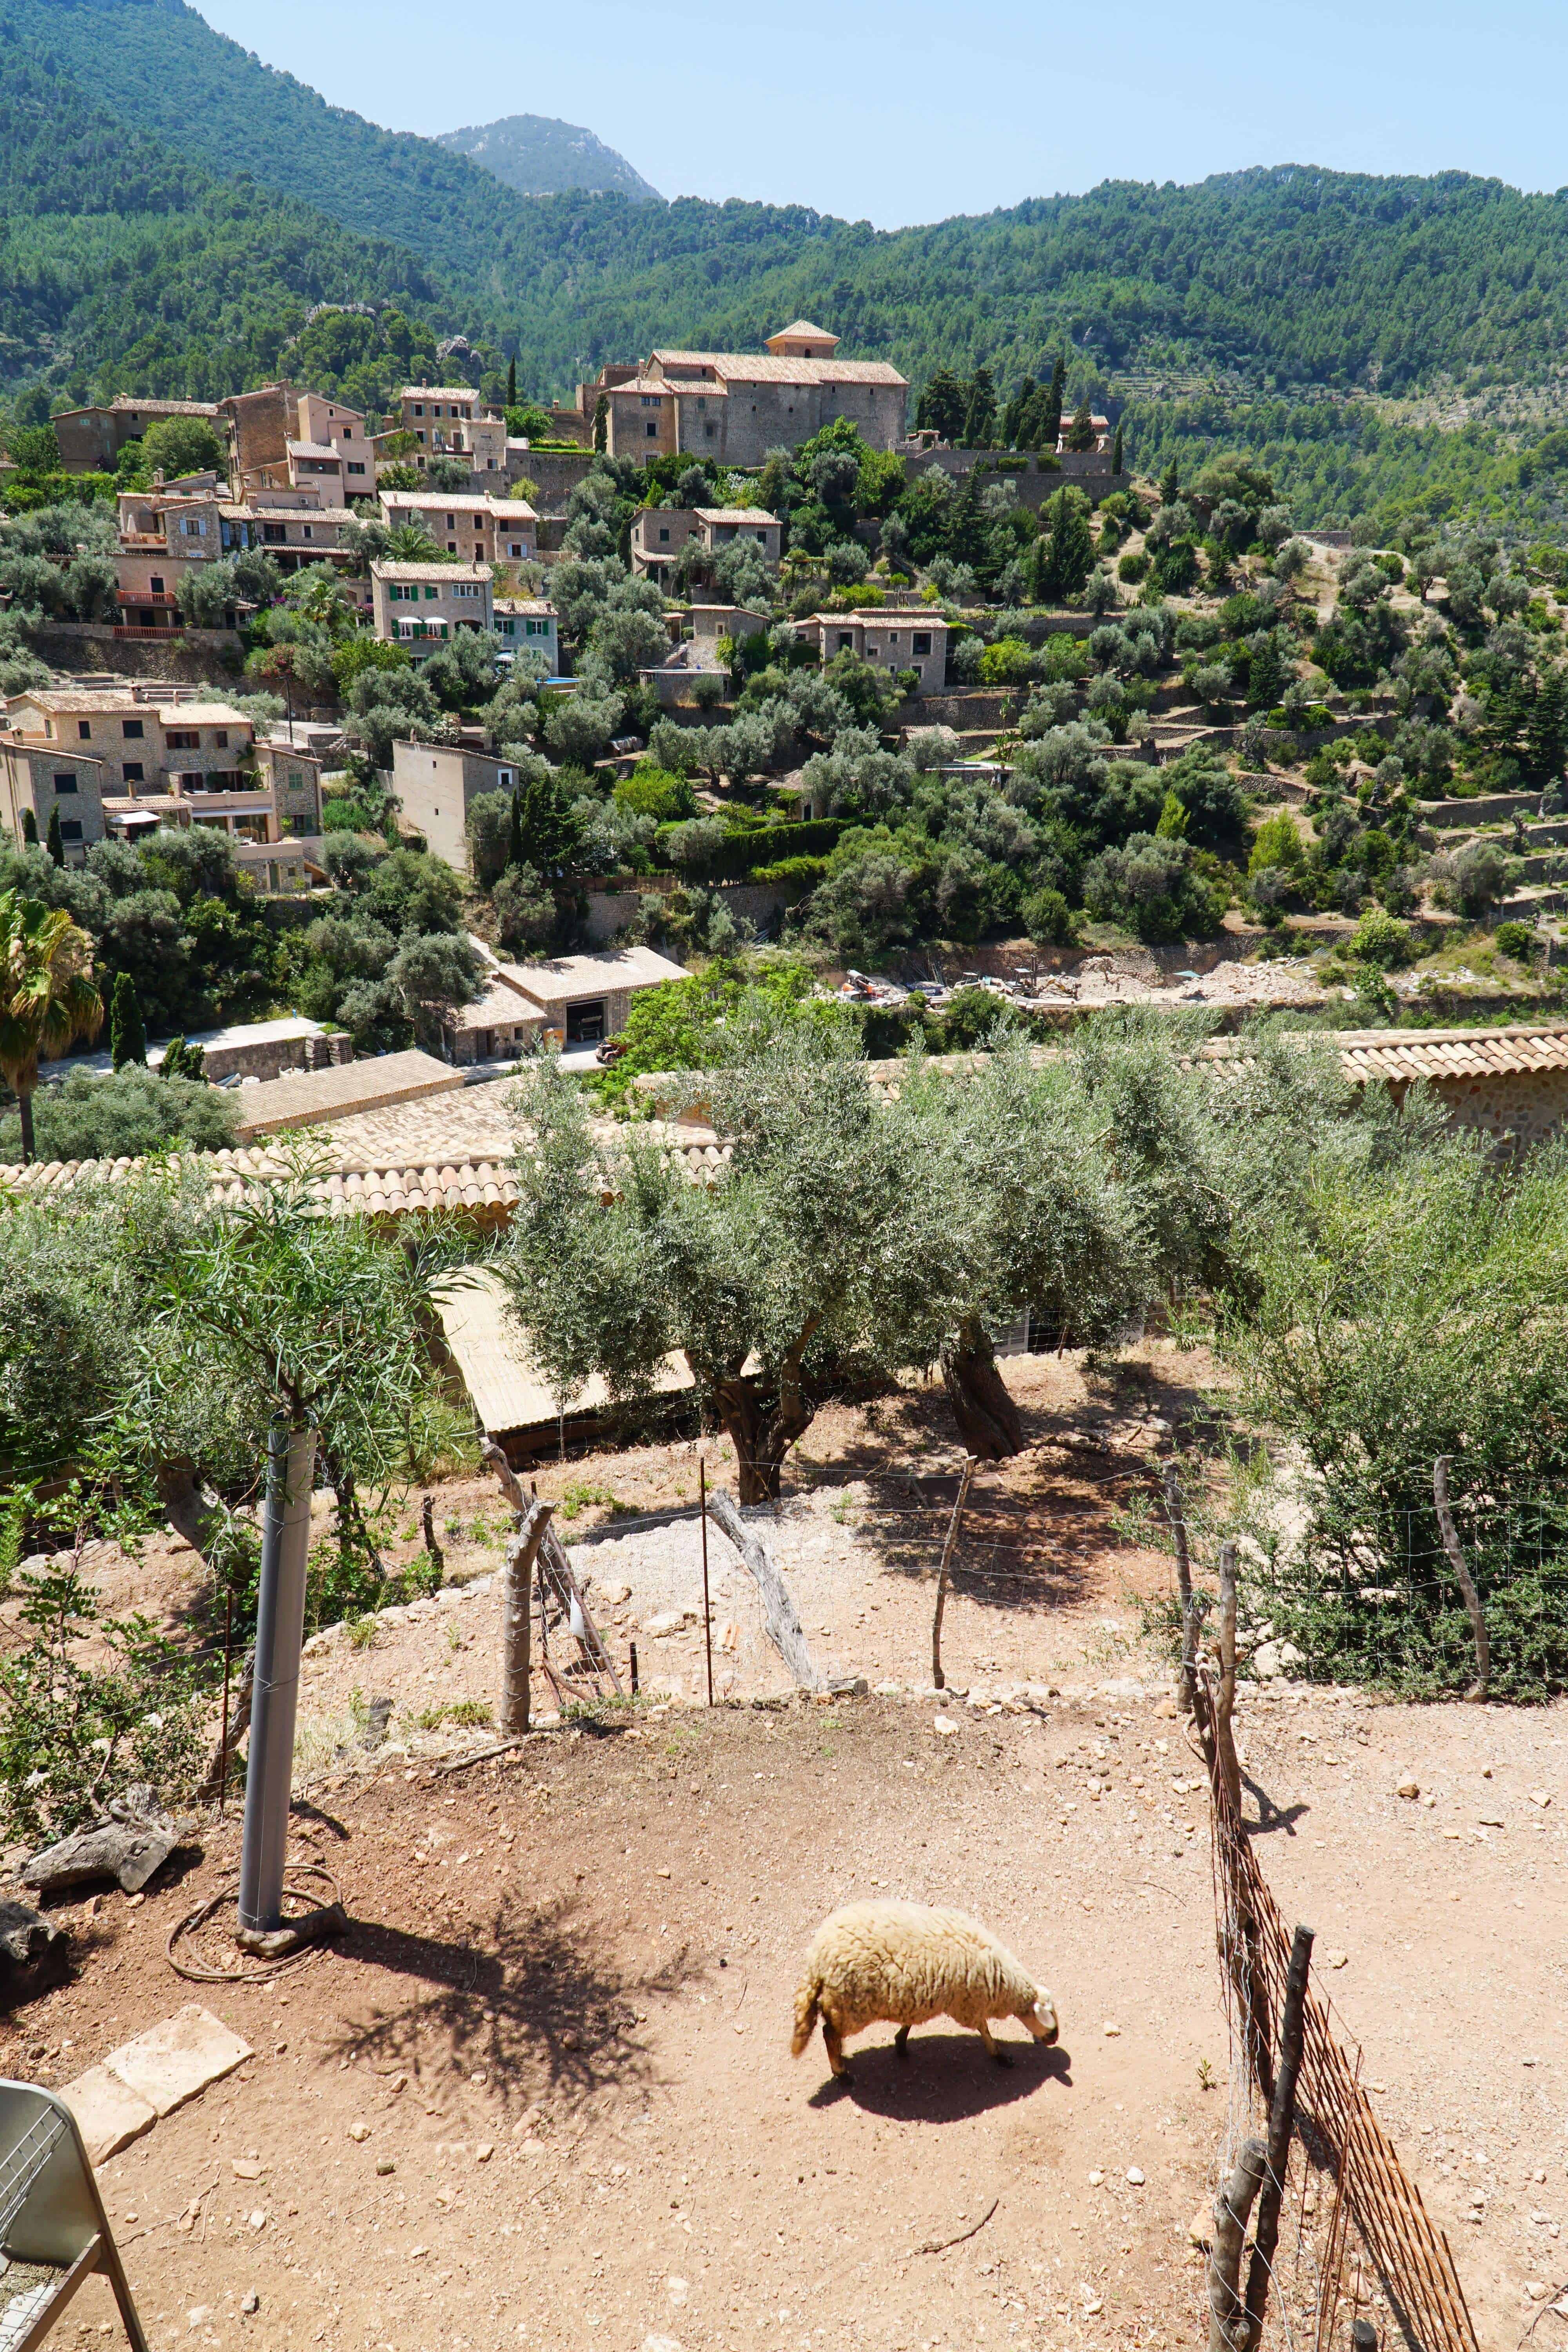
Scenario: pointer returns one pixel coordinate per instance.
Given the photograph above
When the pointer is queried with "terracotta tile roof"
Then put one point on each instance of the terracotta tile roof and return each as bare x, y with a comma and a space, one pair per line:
439, 391
751, 515
764, 367
431, 571
127, 402
372, 1192
1525, 1048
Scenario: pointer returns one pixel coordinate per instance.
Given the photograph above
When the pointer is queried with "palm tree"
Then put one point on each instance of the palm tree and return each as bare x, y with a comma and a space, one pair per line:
47, 994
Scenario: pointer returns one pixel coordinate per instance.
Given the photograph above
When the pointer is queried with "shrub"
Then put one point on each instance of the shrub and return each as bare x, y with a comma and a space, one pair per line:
1516, 940
655, 792
1048, 918
1276, 843
136, 1111
1379, 940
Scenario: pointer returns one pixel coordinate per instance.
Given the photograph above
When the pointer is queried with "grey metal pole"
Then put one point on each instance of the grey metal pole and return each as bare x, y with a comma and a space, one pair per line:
279, 1636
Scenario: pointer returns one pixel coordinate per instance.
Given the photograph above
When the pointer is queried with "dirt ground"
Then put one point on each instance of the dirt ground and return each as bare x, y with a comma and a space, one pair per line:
542, 2091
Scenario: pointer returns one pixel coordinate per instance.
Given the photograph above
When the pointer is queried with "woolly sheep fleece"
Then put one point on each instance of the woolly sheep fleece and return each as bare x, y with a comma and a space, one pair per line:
908, 1962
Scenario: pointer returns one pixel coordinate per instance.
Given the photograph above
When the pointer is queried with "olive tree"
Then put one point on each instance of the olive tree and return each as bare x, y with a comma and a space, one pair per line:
825, 1253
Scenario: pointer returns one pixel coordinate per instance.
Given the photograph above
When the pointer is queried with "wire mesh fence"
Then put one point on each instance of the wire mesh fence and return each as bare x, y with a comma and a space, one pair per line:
1371, 2193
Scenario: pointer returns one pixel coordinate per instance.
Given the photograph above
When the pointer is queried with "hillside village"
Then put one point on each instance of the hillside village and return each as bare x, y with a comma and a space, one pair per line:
894, 1090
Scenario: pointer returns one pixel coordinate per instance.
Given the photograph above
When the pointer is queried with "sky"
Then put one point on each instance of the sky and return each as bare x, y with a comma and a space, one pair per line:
915, 111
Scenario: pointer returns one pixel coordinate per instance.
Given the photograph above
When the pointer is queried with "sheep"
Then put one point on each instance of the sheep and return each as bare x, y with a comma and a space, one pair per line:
908, 1962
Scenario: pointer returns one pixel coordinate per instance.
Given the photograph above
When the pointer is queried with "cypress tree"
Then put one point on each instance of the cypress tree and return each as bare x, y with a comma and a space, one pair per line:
1051, 415
1169, 485
514, 831
54, 840
1017, 413
127, 1036
1116, 452
29, 828
511, 382
1080, 432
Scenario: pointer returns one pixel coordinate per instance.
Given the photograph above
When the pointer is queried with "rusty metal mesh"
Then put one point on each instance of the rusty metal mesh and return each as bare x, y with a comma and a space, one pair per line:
1341, 2135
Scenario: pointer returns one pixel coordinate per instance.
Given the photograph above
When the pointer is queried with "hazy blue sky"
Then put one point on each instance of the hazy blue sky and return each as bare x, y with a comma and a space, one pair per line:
911, 112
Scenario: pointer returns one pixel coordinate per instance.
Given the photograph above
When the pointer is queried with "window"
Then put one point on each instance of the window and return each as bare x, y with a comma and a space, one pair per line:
348, 435
651, 430
431, 595
132, 772
505, 628
465, 587
194, 527
845, 641
536, 628
274, 534
516, 548
184, 738
701, 403
478, 550
306, 533
419, 410
84, 730
155, 585
356, 466
451, 546
585, 1022
220, 737
651, 400
71, 828
711, 431
65, 782
921, 642
663, 537
131, 730
451, 523
505, 780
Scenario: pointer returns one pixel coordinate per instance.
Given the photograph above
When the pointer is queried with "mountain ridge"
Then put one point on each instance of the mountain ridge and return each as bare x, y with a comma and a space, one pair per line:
540, 156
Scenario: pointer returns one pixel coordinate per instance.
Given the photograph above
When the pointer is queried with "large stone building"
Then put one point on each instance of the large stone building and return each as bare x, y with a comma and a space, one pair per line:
737, 405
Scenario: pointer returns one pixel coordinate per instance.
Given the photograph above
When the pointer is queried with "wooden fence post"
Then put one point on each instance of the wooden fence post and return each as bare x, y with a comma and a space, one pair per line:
1282, 2121
517, 1663
950, 1546
1191, 1615
1230, 2330
1450, 1535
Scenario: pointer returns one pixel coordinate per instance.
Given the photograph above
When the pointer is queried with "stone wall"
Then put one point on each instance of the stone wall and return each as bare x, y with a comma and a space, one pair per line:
189, 657
1528, 1108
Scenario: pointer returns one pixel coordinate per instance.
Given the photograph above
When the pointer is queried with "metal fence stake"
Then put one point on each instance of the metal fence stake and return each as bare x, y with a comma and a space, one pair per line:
280, 1637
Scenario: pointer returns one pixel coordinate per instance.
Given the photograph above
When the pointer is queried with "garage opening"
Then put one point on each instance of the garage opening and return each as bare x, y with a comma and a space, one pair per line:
585, 1022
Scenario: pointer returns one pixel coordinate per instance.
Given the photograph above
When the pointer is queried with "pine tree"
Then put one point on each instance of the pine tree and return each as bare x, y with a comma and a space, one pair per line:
127, 1036
54, 840
1116, 452
511, 382
942, 406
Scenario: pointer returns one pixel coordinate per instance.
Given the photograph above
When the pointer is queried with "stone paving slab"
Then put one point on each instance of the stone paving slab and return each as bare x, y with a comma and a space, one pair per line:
172, 2062
109, 2115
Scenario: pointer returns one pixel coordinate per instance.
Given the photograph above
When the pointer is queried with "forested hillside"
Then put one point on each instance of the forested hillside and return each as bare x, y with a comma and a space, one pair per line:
166, 233
152, 271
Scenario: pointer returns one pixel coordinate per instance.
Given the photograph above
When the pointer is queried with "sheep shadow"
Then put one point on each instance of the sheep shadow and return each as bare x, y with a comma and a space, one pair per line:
945, 2079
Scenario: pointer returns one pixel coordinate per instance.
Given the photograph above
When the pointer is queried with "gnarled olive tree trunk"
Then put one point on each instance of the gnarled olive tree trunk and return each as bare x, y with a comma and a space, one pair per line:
986, 1415
762, 1427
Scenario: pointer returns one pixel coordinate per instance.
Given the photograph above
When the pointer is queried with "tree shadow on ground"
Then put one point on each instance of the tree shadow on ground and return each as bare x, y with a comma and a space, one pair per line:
945, 2079
1036, 1528
534, 2000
